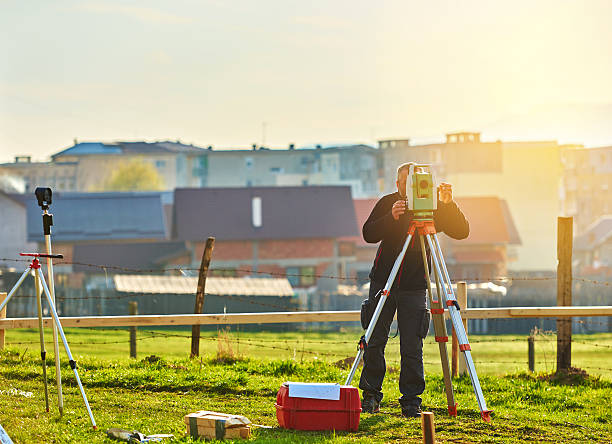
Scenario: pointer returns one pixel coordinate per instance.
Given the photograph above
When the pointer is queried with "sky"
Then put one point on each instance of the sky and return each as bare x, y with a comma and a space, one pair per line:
275, 72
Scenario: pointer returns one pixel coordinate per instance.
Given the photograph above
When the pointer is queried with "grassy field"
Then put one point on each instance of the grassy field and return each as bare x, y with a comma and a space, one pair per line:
152, 395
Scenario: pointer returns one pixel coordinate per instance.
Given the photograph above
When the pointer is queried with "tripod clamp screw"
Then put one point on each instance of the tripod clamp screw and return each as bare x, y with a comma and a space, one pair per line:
362, 343
453, 302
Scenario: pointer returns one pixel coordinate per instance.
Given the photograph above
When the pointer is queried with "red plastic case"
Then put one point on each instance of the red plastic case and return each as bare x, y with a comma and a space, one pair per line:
319, 414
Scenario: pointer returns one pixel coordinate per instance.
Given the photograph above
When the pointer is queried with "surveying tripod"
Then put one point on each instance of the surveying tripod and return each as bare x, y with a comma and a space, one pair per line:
423, 225
39, 280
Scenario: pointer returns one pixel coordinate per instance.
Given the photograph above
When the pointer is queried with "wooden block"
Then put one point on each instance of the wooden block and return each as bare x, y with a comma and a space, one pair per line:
208, 419
207, 424
214, 433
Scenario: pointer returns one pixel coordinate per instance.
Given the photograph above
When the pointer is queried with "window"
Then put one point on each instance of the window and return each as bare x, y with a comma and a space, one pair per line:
276, 169
160, 164
225, 272
248, 162
301, 276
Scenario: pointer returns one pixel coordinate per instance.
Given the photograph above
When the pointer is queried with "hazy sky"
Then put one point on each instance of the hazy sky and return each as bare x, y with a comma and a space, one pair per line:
211, 72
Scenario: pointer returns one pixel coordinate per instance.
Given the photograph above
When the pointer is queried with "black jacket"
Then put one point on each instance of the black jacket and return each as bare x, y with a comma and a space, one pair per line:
381, 226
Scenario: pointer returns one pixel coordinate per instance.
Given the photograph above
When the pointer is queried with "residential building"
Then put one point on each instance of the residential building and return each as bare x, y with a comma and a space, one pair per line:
179, 165
593, 248
60, 175
488, 251
13, 233
364, 252
269, 231
95, 219
86, 166
357, 166
587, 184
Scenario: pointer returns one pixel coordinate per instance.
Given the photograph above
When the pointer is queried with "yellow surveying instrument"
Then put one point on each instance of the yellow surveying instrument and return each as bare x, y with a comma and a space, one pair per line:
421, 200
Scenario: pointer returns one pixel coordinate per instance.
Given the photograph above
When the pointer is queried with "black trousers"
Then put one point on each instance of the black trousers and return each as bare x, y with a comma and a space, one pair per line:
413, 323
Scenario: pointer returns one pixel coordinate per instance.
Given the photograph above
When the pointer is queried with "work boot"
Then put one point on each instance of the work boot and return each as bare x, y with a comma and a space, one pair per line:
369, 404
411, 412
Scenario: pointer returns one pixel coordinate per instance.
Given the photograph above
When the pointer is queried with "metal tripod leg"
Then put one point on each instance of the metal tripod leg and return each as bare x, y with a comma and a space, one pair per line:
453, 309
58, 371
40, 322
43, 352
437, 311
66, 346
363, 343
15, 288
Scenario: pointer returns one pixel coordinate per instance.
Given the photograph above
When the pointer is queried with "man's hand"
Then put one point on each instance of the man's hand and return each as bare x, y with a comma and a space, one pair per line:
399, 208
445, 192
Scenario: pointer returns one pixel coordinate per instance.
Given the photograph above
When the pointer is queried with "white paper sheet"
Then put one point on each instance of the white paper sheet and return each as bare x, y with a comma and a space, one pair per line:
314, 390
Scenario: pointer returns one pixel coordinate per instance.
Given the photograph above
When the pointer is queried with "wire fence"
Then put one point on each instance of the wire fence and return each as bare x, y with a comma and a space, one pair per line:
250, 271
298, 347
70, 300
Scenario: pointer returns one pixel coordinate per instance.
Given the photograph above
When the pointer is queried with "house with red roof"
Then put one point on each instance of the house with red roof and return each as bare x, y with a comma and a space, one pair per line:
297, 232
485, 253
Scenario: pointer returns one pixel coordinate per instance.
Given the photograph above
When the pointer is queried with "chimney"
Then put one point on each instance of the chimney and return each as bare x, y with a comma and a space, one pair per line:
291, 146
256, 213
464, 137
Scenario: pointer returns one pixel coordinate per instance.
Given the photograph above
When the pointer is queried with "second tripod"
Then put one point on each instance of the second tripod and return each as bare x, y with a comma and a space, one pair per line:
40, 282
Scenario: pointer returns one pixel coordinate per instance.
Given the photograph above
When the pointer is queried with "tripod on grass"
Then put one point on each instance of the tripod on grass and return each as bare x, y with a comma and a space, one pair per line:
422, 200
40, 282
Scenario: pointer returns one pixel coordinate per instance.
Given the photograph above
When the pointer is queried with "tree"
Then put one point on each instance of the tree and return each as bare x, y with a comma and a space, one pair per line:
134, 175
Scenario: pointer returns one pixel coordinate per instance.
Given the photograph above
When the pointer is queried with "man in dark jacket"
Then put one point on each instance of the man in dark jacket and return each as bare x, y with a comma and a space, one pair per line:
388, 224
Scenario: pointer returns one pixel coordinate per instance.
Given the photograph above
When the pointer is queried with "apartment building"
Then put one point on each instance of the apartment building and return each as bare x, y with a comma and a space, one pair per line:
587, 183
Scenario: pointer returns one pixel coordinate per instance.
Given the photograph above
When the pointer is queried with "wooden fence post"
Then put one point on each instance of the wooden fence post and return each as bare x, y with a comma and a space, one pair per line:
428, 427
199, 303
531, 352
2, 316
564, 291
458, 365
133, 312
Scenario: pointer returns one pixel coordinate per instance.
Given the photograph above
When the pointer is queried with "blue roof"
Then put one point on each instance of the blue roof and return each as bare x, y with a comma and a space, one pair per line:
89, 148
85, 148
100, 216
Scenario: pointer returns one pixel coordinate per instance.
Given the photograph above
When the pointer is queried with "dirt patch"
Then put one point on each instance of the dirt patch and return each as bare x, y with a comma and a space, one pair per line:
571, 376
346, 363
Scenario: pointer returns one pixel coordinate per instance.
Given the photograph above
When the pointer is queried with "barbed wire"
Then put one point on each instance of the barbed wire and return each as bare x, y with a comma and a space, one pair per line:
310, 275
591, 281
593, 344
295, 349
547, 338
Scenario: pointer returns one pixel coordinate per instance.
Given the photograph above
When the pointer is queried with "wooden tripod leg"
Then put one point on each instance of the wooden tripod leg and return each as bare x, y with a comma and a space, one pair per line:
437, 311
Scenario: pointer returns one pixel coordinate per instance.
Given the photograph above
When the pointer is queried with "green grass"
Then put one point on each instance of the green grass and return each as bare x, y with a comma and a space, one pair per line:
153, 395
